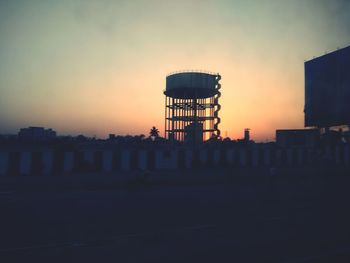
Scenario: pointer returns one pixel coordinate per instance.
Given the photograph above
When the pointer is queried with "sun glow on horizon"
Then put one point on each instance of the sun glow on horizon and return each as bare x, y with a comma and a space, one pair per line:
95, 68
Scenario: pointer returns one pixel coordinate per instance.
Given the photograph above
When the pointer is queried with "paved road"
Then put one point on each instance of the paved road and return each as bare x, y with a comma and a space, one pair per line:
269, 221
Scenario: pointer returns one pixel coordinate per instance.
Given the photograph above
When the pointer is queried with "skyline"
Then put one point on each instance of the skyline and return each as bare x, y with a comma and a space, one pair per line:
77, 66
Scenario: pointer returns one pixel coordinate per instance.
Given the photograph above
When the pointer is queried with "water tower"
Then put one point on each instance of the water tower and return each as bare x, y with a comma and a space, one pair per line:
192, 106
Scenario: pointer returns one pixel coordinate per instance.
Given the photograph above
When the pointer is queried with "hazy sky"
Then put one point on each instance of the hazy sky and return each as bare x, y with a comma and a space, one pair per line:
99, 67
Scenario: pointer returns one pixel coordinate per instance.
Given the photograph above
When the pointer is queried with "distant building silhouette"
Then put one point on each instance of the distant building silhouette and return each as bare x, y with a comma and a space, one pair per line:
36, 133
246, 135
298, 137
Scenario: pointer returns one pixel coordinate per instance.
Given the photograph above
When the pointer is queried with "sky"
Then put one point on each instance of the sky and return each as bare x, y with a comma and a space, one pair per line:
99, 67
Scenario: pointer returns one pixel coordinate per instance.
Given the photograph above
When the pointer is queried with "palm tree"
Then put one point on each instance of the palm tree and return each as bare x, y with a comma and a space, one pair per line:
154, 133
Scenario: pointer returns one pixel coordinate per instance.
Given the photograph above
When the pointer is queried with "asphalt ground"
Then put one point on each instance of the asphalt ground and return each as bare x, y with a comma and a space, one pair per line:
255, 219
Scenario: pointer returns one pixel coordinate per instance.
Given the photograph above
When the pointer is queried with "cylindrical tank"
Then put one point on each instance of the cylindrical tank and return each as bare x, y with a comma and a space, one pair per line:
187, 85
192, 106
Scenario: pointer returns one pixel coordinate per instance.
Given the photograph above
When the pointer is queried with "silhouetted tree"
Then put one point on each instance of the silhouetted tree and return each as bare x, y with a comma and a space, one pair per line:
154, 133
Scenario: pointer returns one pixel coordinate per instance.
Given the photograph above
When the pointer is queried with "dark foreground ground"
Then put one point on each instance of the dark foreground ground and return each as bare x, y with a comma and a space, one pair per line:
241, 219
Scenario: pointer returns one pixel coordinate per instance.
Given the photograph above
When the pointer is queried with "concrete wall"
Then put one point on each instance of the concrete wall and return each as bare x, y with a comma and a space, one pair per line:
25, 163
45, 163
68, 163
4, 159
107, 161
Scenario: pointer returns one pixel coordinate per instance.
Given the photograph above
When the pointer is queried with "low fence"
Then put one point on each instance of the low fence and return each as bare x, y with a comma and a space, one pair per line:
55, 162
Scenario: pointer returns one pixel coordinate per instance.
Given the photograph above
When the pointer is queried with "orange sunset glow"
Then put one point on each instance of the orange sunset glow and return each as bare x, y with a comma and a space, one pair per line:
99, 67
